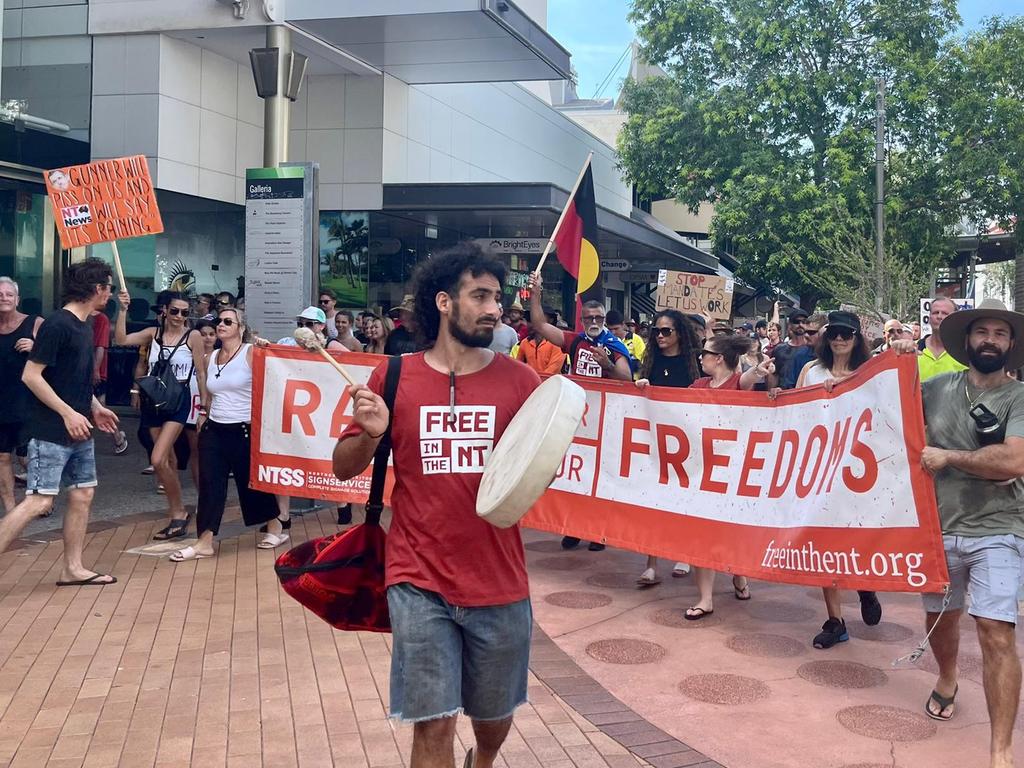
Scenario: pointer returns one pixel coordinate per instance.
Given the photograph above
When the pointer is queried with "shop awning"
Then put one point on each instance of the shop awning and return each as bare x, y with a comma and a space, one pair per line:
531, 211
436, 41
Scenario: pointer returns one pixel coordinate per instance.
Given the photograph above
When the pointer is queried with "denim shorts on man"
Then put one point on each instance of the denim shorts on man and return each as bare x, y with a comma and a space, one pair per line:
448, 659
990, 569
52, 466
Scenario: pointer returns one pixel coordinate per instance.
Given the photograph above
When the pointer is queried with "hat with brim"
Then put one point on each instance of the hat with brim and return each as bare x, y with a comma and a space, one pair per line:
843, 319
408, 304
315, 314
955, 327
797, 312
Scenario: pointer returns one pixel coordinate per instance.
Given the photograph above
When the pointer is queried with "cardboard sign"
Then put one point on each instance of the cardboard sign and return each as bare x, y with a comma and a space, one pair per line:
695, 294
926, 310
103, 201
814, 488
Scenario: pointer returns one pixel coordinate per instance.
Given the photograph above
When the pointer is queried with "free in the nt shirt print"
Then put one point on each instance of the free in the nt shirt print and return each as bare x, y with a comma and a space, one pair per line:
456, 445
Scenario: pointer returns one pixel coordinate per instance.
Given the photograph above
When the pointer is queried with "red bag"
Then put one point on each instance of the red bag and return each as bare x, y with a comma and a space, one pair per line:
340, 577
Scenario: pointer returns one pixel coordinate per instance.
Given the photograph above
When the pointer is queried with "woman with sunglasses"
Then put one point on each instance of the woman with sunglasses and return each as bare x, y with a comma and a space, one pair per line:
377, 331
225, 442
668, 361
720, 361
841, 350
182, 349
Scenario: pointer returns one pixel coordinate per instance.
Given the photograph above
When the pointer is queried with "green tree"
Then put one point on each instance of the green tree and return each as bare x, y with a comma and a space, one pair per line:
768, 112
982, 108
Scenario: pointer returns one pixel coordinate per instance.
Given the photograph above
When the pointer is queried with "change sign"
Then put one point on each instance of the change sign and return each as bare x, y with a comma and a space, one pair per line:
103, 201
694, 293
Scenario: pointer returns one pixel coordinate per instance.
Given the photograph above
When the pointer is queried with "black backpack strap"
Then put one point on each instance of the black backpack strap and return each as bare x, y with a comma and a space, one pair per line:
375, 504
573, 349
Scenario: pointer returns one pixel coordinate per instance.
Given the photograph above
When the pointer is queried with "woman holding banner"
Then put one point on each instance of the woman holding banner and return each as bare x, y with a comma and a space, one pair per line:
720, 361
171, 346
670, 361
841, 350
225, 442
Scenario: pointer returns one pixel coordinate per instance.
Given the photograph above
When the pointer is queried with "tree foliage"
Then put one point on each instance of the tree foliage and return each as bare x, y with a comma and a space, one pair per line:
768, 112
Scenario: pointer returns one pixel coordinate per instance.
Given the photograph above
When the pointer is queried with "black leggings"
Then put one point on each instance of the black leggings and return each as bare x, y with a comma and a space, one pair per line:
223, 449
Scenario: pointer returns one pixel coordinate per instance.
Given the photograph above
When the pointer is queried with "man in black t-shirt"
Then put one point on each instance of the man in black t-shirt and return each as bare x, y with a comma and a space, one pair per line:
783, 355
60, 450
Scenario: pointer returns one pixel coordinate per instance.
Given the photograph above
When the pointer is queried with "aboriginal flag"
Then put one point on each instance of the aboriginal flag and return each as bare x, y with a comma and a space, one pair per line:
577, 246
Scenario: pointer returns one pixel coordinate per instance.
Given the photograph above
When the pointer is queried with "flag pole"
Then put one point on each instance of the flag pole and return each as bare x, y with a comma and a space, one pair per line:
558, 225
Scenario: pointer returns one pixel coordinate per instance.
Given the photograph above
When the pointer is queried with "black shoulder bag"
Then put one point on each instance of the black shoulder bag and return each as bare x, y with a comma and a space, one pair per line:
161, 388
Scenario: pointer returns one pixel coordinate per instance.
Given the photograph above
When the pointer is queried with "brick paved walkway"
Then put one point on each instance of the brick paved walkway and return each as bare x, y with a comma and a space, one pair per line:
190, 664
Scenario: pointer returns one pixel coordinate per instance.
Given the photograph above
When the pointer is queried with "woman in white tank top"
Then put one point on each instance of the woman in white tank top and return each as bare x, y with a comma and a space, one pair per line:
842, 349
183, 349
225, 440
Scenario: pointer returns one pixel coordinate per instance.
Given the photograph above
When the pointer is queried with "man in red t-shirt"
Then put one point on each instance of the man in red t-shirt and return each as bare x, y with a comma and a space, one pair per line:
457, 587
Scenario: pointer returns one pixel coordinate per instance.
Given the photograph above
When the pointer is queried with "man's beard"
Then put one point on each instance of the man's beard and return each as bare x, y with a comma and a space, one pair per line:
480, 336
987, 363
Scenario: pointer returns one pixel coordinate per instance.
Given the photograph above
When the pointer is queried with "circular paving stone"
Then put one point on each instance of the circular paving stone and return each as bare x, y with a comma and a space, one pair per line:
563, 563
675, 618
724, 689
545, 545
886, 723
613, 579
781, 610
766, 646
846, 597
841, 674
578, 599
885, 632
624, 650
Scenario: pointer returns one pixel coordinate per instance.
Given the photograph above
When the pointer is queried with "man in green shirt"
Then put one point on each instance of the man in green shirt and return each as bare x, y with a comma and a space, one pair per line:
978, 466
934, 359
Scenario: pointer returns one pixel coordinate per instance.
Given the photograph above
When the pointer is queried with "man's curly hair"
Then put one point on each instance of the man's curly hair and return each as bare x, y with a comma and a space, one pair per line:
443, 271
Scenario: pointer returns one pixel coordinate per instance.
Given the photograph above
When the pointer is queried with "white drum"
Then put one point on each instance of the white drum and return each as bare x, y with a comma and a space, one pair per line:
529, 453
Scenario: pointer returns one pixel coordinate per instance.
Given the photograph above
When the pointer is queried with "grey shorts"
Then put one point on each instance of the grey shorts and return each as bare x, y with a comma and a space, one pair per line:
52, 466
990, 569
446, 659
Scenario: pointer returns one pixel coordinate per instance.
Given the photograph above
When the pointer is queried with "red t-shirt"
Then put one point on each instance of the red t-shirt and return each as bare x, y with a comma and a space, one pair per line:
101, 338
733, 382
583, 362
436, 541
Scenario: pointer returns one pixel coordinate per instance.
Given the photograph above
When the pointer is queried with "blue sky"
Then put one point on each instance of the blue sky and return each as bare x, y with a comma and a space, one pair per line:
597, 34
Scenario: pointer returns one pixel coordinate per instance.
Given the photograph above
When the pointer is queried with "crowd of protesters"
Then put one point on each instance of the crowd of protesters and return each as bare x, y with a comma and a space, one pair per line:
54, 375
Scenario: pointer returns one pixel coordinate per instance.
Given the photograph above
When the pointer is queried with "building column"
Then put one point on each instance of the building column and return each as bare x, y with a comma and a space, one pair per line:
277, 108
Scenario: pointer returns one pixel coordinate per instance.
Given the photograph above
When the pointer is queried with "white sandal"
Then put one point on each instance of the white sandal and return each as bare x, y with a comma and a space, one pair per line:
188, 553
273, 540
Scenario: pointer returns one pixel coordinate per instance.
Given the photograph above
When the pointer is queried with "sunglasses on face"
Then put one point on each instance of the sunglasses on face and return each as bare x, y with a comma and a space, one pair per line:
810, 332
325, 301
227, 322
593, 318
703, 352
306, 323
663, 331
176, 311
840, 333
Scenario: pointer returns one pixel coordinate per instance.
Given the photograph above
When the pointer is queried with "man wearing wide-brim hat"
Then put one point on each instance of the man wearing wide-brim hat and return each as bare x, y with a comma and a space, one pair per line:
975, 452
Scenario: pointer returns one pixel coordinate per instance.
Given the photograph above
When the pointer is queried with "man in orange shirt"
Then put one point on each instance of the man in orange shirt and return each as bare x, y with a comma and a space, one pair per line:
540, 354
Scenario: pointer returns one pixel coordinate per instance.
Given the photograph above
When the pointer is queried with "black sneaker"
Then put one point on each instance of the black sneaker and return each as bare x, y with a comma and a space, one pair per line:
570, 542
870, 608
832, 631
595, 546
345, 515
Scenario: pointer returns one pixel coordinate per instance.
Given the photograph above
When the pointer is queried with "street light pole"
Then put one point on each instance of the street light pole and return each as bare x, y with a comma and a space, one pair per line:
880, 195
277, 108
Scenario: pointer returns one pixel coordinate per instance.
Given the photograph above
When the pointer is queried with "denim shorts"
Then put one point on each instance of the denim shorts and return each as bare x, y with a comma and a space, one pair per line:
446, 659
52, 466
990, 569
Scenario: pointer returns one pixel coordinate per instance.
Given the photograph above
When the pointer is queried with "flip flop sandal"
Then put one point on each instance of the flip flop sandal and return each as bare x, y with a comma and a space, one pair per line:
469, 759
648, 578
697, 616
741, 593
943, 702
678, 573
272, 540
188, 553
92, 581
175, 529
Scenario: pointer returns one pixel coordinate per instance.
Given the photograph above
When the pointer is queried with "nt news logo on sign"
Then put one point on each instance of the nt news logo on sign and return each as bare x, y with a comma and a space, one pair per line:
76, 215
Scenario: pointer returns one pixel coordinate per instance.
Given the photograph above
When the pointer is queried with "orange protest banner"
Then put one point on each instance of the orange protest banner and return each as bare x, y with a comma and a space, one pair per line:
817, 488
103, 201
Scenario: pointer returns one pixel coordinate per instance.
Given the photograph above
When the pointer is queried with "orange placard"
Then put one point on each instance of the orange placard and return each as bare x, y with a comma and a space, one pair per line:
103, 201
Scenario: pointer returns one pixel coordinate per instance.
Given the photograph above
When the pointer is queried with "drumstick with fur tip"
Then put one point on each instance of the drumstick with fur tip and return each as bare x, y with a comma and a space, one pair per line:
308, 340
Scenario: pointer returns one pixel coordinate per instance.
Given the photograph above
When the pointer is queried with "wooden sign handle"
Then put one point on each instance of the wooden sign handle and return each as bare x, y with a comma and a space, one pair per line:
338, 366
117, 266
